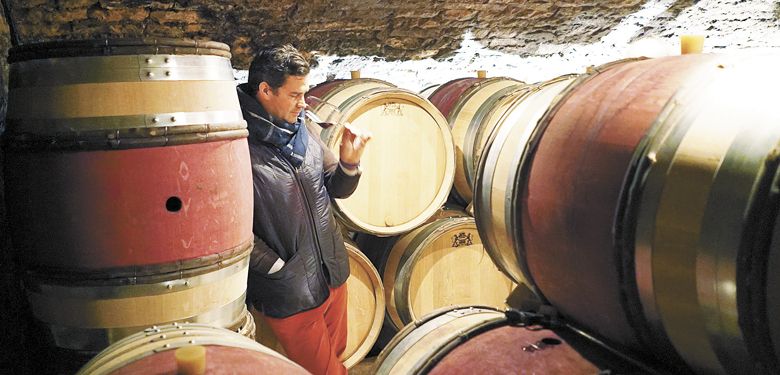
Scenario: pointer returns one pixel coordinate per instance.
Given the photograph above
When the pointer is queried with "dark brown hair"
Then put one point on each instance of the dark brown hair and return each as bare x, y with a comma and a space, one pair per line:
273, 64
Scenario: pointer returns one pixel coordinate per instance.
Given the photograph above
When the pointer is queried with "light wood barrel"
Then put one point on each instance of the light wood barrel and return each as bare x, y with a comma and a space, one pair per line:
412, 142
128, 185
498, 173
152, 352
481, 340
665, 196
467, 109
365, 310
437, 265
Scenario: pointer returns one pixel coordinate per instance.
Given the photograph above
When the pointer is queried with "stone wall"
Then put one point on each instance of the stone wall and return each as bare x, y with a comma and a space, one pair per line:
396, 29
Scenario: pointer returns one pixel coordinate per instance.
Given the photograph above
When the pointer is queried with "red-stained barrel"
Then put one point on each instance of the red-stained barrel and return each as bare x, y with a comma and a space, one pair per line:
128, 186
155, 351
648, 207
482, 340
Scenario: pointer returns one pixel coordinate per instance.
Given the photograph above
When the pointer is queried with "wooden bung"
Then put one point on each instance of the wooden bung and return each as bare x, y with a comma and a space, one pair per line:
691, 44
191, 360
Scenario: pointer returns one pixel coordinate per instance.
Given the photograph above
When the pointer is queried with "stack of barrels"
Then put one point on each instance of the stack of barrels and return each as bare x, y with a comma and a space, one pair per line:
638, 200
424, 254
428, 253
128, 189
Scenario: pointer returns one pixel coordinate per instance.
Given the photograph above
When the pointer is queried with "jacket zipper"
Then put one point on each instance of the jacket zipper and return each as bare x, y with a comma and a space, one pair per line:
308, 209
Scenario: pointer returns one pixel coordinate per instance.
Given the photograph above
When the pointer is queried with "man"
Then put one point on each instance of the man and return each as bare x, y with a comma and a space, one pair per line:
299, 266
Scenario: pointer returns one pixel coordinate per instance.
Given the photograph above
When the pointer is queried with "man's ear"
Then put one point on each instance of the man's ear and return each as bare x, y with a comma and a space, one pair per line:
264, 88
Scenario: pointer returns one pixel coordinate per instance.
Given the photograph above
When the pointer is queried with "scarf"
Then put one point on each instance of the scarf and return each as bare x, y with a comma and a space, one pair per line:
288, 138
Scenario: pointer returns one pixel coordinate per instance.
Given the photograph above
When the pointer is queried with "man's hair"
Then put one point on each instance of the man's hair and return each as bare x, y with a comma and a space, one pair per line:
273, 64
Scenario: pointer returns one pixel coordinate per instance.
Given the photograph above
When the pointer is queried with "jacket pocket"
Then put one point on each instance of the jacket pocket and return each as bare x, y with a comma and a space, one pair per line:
284, 292
289, 265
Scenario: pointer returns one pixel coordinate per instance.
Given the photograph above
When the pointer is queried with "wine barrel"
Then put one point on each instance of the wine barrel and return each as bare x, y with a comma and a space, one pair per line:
437, 265
153, 351
654, 228
498, 172
482, 340
411, 143
365, 310
466, 104
128, 185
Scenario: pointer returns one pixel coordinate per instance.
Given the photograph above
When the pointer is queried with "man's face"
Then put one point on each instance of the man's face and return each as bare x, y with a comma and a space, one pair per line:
287, 101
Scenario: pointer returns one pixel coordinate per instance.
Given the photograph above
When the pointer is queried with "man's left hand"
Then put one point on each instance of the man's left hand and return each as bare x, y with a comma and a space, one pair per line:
353, 142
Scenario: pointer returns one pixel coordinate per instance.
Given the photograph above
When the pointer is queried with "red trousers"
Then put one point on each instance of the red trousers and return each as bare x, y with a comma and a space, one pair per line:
315, 339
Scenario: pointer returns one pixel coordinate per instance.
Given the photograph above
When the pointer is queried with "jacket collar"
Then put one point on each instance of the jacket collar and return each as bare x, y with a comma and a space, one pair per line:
288, 138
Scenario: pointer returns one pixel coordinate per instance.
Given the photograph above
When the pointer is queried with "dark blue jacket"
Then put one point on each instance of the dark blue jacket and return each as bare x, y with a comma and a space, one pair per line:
293, 221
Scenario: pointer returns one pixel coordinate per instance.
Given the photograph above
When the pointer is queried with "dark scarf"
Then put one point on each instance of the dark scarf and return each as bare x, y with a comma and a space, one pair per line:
288, 138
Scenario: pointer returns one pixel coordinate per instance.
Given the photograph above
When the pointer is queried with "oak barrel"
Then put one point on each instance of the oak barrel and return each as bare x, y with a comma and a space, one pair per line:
152, 351
128, 186
408, 167
440, 264
323, 98
654, 229
481, 340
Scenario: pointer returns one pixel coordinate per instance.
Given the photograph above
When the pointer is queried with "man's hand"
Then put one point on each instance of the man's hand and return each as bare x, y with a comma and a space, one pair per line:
353, 142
